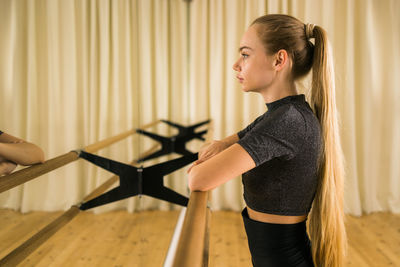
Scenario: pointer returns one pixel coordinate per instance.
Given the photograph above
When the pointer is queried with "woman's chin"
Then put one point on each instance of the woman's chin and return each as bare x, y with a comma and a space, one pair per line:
246, 89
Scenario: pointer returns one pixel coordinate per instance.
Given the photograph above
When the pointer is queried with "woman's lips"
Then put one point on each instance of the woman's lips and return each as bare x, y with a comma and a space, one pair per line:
240, 79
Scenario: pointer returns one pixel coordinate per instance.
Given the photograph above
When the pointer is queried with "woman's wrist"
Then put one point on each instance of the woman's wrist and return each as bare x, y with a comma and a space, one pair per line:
230, 140
225, 144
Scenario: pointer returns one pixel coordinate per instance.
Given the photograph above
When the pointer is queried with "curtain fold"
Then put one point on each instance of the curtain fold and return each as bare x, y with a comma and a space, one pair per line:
74, 72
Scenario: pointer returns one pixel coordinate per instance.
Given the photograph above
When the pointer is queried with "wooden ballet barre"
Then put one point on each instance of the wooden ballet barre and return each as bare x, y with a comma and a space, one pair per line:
22, 176
193, 245
193, 242
206, 250
111, 140
25, 249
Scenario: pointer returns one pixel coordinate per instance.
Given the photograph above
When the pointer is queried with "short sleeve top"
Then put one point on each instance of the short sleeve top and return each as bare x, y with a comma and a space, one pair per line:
285, 144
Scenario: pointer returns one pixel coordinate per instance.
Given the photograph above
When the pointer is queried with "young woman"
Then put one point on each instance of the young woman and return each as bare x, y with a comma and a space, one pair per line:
14, 151
290, 157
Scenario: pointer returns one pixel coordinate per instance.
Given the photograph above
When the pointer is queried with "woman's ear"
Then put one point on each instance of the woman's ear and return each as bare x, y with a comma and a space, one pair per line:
281, 59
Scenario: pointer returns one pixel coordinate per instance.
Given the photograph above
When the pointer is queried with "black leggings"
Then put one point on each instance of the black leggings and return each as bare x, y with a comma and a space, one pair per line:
277, 245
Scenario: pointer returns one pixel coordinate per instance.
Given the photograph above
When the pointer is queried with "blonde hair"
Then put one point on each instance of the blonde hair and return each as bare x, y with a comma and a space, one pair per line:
326, 219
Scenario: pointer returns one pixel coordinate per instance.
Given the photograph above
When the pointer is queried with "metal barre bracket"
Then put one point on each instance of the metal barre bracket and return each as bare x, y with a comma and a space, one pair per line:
177, 143
136, 181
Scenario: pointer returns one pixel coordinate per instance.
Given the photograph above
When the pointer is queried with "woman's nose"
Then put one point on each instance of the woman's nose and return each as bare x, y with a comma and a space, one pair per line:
236, 66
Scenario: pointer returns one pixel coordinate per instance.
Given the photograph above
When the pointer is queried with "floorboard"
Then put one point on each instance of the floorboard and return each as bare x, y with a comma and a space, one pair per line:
141, 239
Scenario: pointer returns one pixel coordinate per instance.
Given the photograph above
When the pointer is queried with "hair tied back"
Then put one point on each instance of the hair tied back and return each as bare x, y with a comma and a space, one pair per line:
309, 29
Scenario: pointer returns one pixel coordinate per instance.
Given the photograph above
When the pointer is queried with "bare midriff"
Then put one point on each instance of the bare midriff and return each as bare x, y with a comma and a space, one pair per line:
272, 218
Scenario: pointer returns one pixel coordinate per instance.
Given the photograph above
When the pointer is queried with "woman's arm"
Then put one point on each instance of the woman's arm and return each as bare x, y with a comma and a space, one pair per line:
219, 169
19, 151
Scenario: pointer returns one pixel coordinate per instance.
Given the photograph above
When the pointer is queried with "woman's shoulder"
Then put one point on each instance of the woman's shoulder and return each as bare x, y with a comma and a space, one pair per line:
296, 111
290, 117
288, 113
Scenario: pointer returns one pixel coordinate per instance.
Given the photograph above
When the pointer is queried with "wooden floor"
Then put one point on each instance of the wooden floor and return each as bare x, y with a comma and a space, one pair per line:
141, 239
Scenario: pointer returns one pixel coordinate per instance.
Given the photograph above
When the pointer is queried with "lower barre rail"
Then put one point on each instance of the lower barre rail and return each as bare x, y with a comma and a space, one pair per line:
20, 253
25, 249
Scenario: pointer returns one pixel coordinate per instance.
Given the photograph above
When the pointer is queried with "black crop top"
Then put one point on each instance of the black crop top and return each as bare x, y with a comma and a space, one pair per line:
285, 143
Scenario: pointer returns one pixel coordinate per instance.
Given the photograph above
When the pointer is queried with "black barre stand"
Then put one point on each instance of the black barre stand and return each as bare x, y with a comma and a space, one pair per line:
177, 143
138, 181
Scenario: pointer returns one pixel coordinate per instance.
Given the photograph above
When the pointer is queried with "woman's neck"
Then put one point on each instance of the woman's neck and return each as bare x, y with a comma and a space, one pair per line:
278, 92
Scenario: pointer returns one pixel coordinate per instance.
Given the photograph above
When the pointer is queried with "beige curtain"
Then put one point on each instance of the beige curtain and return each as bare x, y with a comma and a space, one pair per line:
74, 72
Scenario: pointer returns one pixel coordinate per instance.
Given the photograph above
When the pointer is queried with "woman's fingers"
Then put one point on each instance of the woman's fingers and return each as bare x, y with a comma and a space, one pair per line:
6, 167
190, 168
213, 149
204, 155
208, 151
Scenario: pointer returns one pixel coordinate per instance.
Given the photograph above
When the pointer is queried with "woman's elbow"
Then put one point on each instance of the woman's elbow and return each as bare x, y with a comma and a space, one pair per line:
41, 158
36, 156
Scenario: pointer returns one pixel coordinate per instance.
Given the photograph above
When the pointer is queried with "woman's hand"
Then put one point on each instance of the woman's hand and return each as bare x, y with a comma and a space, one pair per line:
209, 150
6, 167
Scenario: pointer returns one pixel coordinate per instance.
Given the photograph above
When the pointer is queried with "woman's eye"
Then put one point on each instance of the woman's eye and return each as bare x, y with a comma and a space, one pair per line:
244, 55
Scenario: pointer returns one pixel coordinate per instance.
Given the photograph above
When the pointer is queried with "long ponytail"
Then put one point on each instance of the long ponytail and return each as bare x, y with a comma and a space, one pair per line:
326, 219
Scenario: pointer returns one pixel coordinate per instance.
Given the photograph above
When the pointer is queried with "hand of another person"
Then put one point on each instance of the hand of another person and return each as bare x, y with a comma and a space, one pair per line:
209, 150
7, 167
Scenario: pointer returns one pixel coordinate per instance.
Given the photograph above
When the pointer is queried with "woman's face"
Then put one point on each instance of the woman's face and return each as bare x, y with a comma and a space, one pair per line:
254, 67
